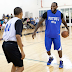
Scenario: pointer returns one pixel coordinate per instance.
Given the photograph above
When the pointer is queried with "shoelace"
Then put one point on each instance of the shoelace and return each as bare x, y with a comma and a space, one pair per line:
50, 60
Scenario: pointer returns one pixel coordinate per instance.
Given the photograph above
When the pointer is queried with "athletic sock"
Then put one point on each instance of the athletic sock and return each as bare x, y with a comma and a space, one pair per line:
50, 56
61, 59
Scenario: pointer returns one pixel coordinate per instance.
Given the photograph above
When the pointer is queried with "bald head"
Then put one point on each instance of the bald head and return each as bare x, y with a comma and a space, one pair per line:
54, 6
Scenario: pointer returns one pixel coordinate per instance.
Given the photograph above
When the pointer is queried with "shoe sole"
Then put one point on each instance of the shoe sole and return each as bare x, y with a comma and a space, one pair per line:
60, 67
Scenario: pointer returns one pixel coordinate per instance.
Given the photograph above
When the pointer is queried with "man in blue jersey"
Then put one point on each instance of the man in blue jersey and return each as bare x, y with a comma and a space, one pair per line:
53, 21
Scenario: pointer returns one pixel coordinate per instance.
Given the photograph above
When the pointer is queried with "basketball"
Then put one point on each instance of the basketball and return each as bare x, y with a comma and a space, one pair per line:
64, 34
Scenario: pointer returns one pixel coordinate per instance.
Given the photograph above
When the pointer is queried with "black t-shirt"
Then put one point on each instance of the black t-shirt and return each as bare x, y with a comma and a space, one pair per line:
18, 27
23, 19
45, 15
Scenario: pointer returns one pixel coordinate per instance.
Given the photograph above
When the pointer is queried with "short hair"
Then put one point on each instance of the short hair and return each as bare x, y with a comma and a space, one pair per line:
17, 11
3, 22
55, 3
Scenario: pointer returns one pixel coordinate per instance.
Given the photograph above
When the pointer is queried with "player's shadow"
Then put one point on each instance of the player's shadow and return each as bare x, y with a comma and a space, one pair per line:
50, 68
61, 70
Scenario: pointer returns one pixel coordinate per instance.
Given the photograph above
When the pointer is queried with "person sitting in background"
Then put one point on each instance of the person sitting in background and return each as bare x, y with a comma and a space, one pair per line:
5, 20
32, 23
0, 25
28, 20
36, 21
32, 20
29, 23
7, 16
11, 16
2, 21
3, 27
3, 17
25, 23
24, 19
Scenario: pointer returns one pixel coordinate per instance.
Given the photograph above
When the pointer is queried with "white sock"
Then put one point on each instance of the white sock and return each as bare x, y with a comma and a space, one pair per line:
50, 56
61, 59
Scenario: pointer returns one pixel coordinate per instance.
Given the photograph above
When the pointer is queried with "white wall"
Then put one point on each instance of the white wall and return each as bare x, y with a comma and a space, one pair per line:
47, 3
33, 6
30, 6
7, 6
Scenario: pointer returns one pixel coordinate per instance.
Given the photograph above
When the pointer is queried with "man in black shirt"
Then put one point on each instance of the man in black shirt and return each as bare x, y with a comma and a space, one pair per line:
12, 39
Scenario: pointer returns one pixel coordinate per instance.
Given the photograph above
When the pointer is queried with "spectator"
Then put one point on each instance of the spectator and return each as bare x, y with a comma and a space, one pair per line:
28, 23
7, 16
5, 20
3, 27
2, 21
24, 19
3, 17
35, 18
11, 16
0, 25
32, 20
28, 20
36, 21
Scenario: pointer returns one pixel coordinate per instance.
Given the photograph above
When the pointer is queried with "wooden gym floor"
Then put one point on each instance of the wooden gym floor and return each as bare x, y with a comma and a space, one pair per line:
36, 56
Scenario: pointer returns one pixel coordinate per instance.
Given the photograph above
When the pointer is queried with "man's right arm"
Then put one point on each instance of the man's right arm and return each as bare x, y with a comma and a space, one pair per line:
19, 42
39, 23
41, 20
18, 28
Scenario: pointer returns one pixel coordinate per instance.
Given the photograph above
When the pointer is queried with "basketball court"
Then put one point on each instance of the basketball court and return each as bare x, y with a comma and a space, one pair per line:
36, 56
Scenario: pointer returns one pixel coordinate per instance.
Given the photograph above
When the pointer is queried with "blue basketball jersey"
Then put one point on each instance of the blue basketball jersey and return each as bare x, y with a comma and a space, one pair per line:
53, 23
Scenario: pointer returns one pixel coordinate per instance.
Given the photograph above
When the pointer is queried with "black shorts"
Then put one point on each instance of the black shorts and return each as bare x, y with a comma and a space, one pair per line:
12, 53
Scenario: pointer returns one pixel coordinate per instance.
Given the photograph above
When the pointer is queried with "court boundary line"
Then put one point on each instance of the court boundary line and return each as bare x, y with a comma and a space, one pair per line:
39, 61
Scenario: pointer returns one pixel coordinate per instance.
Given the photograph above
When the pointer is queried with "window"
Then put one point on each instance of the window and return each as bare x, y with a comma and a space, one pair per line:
67, 14
71, 14
62, 11
41, 13
45, 11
